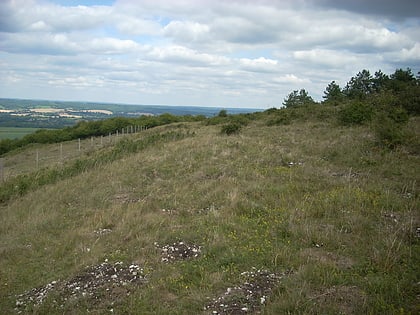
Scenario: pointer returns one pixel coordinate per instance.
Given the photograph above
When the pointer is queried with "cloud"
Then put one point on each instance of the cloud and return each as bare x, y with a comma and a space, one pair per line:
79, 82
290, 78
9, 20
325, 58
202, 52
109, 45
259, 64
187, 31
407, 55
132, 25
45, 43
21, 15
400, 9
183, 55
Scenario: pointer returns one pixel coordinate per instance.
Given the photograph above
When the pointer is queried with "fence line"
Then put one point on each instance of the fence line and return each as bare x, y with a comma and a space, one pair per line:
56, 155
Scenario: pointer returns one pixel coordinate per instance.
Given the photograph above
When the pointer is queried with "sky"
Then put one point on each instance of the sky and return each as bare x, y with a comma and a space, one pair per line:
222, 53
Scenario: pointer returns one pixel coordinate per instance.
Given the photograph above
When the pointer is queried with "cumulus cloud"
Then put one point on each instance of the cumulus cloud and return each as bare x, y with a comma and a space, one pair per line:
21, 15
109, 45
259, 64
218, 52
409, 56
187, 31
325, 58
132, 25
290, 78
45, 43
183, 55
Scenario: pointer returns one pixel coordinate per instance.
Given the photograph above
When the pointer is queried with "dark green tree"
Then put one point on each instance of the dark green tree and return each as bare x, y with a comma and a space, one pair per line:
403, 75
360, 85
298, 98
333, 93
380, 81
401, 79
406, 87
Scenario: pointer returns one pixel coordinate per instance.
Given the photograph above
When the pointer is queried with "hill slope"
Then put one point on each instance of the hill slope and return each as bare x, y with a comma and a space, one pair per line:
302, 218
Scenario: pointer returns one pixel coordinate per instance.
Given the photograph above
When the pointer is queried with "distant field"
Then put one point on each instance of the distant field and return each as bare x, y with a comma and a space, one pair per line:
14, 132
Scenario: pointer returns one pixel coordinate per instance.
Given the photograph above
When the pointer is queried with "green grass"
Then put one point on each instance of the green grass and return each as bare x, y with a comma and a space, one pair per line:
342, 218
15, 132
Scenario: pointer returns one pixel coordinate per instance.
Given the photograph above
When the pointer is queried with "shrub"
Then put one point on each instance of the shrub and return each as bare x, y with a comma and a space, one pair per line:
398, 115
216, 120
389, 133
223, 113
281, 117
356, 113
390, 127
231, 128
241, 119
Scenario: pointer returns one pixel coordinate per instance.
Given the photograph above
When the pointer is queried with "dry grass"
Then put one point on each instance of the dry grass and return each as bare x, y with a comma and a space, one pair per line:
311, 197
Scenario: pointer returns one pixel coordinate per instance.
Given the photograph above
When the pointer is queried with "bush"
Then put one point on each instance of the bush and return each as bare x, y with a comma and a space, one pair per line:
231, 128
398, 115
281, 117
389, 133
223, 113
216, 120
390, 127
356, 113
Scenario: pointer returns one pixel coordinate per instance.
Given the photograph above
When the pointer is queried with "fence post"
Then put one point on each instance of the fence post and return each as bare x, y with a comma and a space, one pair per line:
79, 144
37, 159
61, 152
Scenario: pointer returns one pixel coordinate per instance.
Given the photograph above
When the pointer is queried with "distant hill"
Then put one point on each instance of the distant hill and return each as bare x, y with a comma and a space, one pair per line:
57, 114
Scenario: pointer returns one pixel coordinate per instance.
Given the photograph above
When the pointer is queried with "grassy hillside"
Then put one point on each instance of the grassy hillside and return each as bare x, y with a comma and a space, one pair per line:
307, 217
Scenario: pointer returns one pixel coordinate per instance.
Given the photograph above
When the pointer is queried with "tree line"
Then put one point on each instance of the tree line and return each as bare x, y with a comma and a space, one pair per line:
384, 102
401, 89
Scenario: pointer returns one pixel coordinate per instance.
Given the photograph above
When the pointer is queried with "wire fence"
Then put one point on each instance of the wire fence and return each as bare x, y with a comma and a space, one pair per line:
49, 155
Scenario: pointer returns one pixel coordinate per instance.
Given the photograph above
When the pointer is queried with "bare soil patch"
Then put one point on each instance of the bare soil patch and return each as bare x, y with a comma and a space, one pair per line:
104, 282
249, 296
125, 198
178, 251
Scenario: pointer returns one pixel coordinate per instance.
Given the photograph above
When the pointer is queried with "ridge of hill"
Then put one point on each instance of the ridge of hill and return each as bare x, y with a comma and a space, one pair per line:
290, 213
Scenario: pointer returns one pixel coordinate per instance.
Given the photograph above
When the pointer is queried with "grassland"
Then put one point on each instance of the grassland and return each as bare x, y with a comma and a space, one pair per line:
317, 203
14, 132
